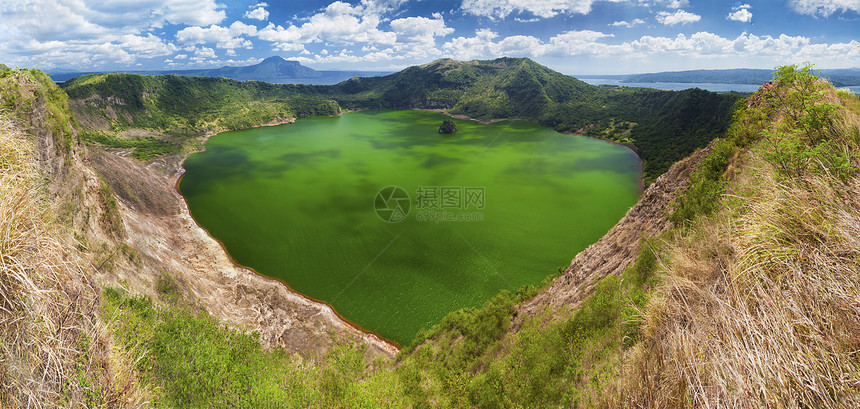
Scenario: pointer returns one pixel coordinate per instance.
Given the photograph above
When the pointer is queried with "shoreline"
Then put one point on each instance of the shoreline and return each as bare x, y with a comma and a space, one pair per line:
369, 336
628, 146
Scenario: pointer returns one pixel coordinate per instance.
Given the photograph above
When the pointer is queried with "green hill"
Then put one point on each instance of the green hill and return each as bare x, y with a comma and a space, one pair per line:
662, 126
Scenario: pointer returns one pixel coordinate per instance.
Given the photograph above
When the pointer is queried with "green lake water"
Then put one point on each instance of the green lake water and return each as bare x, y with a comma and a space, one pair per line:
347, 210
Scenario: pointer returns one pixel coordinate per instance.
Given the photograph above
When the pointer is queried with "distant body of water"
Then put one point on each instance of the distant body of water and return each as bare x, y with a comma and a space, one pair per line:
678, 86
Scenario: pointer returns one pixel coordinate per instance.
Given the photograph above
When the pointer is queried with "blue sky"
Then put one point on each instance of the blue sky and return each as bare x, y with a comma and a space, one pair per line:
572, 36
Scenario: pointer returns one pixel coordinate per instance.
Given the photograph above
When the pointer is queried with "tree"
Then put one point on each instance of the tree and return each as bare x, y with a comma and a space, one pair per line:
448, 127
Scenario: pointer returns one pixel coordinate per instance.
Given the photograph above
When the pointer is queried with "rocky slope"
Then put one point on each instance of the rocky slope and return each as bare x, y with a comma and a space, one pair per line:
162, 232
618, 248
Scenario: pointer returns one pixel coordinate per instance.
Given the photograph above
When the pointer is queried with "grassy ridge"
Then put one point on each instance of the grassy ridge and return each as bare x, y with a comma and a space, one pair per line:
23, 93
663, 126
759, 298
52, 349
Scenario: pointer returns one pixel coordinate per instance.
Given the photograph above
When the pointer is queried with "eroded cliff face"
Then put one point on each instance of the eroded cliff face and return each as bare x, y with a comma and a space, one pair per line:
159, 227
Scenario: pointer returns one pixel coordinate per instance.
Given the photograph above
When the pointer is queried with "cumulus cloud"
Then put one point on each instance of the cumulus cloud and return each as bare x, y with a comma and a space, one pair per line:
341, 23
258, 13
420, 29
223, 37
824, 7
677, 4
740, 13
485, 44
338, 23
86, 33
381, 6
766, 49
146, 46
672, 4
628, 24
678, 17
540, 8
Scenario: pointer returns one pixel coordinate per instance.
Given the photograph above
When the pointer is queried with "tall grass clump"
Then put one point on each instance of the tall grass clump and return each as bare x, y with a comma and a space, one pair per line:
760, 306
53, 351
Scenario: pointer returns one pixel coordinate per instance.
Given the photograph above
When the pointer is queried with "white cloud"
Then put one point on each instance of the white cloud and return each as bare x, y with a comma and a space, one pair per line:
740, 13
190, 12
628, 24
381, 6
287, 46
204, 52
466, 48
824, 7
258, 13
570, 43
420, 29
678, 17
88, 33
701, 46
677, 4
341, 23
146, 46
671, 4
223, 37
540, 8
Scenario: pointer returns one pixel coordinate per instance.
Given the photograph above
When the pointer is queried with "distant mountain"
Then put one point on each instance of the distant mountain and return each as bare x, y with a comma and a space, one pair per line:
837, 77
273, 69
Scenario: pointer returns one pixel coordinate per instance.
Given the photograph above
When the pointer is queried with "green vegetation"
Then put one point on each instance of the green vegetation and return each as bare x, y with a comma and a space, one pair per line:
24, 94
143, 148
472, 360
467, 360
187, 106
190, 360
804, 141
662, 126
447, 127
702, 196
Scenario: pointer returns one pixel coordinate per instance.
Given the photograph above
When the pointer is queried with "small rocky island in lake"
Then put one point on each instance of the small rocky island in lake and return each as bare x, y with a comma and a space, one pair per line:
447, 127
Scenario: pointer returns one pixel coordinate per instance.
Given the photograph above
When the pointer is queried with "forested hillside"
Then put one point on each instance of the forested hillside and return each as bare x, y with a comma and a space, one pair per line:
662, 126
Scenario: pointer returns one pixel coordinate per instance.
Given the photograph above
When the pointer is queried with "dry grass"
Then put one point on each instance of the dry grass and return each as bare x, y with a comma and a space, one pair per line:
760, 306
53, 349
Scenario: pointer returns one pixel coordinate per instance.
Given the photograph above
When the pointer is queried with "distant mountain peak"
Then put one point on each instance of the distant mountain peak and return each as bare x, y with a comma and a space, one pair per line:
277, 59
274, 58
